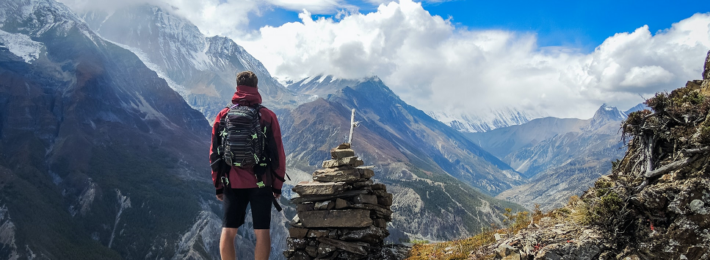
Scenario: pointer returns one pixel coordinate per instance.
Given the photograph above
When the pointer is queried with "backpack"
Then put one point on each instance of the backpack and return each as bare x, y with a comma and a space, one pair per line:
243, 140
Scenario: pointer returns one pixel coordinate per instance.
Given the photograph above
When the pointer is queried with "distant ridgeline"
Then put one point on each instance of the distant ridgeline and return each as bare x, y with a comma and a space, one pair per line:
654, 205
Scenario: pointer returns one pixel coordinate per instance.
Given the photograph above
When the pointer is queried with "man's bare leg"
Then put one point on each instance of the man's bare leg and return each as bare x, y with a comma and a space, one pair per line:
226, 244
263, 244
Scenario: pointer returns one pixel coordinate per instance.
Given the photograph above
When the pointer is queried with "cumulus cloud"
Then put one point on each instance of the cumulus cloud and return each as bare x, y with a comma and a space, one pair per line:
437, 67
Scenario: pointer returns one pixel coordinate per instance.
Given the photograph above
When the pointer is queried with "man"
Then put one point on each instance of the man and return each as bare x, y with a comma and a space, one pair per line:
237, 186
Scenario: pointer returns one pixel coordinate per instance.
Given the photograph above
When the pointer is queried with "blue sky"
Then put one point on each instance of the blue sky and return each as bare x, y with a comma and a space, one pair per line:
577, 24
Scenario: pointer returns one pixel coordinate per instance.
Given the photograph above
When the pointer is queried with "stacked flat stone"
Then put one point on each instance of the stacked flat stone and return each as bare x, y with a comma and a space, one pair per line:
342, 214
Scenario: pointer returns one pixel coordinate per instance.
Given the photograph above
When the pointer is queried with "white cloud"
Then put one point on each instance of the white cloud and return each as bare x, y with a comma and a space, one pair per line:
646, 75
435, 66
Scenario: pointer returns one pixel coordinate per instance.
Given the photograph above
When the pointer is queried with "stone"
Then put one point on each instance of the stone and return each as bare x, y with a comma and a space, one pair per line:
352, 247
297, 232
312, 251
334, 234
379, 186
314, 198
341, 203
325, 250
505, 250
343, 146
336, 218
380, 193
324, 205
352, 161
318, 188
365, 173
288, 253
300, 255
696, 206
361, 184
296, 243
385, 200
380, 223
336, 153
378, 210
339, 174
305, 207
317, 233
369, 199
500, 236
296, 221
370, 235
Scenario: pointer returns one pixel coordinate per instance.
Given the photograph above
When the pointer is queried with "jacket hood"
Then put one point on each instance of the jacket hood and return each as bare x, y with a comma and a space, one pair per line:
246, 95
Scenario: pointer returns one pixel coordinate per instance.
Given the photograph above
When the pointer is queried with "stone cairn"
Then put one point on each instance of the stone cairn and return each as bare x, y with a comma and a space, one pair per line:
342, 214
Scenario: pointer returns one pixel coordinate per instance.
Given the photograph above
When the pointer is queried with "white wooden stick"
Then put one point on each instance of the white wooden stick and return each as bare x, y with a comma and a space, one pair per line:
352, 126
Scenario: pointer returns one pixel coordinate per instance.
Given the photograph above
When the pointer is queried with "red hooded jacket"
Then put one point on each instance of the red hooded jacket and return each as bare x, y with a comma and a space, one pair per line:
244, 178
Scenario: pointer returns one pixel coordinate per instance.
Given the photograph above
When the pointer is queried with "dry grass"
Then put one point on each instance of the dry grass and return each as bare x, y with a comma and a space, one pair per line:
462, 249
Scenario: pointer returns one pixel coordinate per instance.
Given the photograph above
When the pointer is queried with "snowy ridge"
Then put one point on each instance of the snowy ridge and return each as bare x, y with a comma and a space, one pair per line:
481, 121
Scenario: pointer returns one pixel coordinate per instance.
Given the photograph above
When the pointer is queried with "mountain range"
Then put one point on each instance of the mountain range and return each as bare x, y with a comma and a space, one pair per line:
105, 127
558, 157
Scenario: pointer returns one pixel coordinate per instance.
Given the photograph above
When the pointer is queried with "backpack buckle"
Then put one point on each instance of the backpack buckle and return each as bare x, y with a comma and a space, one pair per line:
260, 184
225, 181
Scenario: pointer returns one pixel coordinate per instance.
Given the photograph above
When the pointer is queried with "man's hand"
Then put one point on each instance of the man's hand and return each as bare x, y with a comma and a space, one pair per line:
277, 196
220, 197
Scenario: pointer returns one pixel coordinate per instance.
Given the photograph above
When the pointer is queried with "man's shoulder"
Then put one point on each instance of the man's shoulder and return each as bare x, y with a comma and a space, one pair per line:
267, 113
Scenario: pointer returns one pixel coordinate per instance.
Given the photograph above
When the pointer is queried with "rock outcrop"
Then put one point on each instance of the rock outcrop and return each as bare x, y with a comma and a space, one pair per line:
654, 205
342, 214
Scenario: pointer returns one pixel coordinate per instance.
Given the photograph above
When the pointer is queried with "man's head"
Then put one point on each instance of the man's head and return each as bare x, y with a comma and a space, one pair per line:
247, 78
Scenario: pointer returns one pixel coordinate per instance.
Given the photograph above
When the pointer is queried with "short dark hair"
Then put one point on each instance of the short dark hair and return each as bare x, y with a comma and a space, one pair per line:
247, 78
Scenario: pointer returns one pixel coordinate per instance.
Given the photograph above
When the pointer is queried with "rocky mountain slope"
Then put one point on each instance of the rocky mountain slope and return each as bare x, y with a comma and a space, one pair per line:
99, 157
415, 155
202, 69
654, 205
465, 122
561, 157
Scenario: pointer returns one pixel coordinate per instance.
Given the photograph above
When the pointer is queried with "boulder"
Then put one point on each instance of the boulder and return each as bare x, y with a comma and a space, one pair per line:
318, 188
380, 223
353, 218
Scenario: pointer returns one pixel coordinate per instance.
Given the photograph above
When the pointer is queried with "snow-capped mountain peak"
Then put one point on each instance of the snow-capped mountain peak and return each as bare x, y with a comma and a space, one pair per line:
483, 121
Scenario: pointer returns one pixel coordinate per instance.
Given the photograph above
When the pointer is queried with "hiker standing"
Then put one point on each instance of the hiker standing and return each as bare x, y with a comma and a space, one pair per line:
248, 165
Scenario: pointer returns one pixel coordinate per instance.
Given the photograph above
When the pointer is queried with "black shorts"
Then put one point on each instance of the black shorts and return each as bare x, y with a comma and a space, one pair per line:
235, 207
